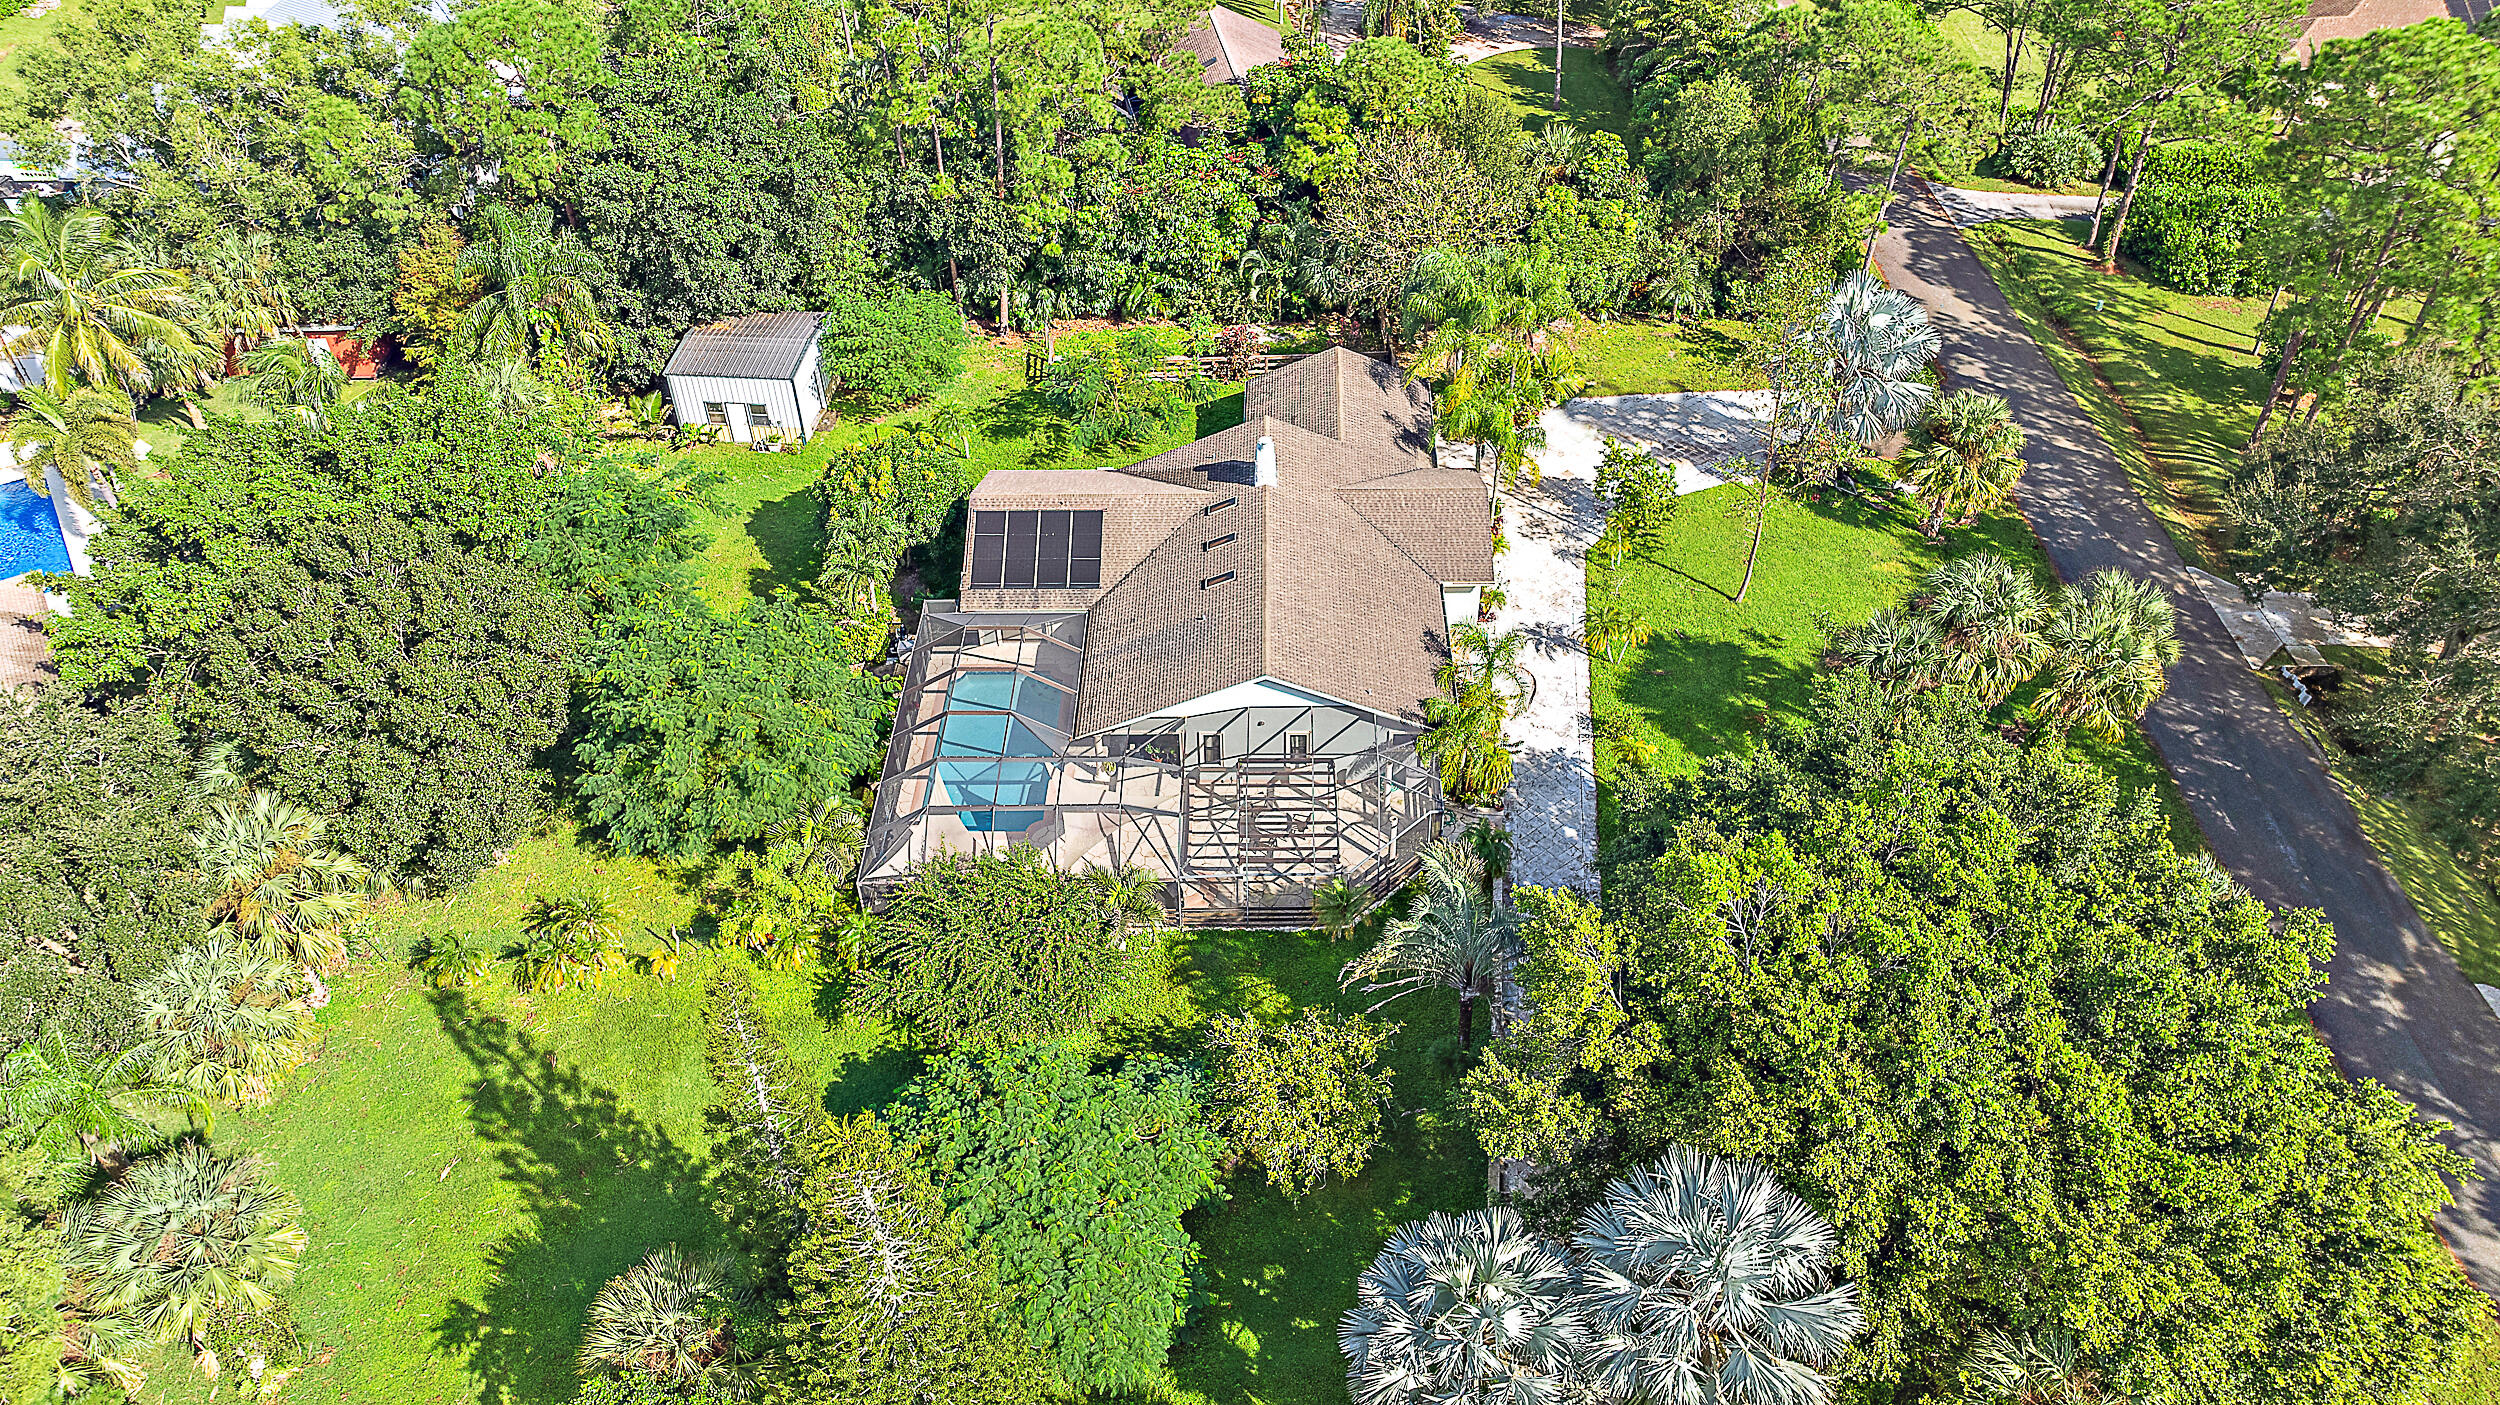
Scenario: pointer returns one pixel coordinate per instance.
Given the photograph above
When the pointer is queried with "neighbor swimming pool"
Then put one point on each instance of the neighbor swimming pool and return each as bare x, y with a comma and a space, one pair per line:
30, 533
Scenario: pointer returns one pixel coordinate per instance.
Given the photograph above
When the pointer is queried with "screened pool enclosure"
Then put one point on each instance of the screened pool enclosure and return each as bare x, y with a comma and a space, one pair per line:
985, 754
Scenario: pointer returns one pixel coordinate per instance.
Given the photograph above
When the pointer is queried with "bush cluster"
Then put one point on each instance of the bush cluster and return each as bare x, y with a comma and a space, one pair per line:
2052, 160
889, 349
2195, 214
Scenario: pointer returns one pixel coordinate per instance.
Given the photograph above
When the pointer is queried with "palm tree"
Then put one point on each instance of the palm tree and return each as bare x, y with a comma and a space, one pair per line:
1489, 844
2036, 1368
280, 886
2108, 641
82, 304
1338, 905
1703, 1279
1466, 1307
224, 1020
666, 1319
234, 279
1988, 614
511, 388
1899, 649
1879, 340
565, 942
86, 435
1129, 899
182, 1239
1486, 658
453, 959
1464, 740
73, 1103
536, 301
293, 376
857, 570
1456, 938
1486, 323
1611, 626
1966, 459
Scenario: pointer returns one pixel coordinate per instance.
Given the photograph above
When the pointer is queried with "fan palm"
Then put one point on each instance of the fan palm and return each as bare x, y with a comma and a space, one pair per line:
279, 884
511, 388
1129, 899
1456, 938
565, 942
224, 1020
1707, 1280
292, 376
73, 1103
536, 301
453, 959
1464, 742
234, 280
1899, 649
1338, 905
86, 435
666, 1319
182, 1239
1480, 657
1988, 614
1879, 340
2037, 1368
2108, 641
1967, 458
856, 572
82, 304
1468, 1307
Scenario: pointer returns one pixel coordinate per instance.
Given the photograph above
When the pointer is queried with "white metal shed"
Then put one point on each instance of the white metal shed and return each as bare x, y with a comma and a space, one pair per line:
749, 374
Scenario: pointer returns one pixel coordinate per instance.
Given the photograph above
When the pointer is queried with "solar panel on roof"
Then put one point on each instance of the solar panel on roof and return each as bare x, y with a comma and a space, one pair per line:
1051, 549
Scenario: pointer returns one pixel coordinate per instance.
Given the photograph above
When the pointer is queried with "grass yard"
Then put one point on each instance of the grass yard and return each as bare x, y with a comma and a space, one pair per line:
1634, 357
766, 536
163, 426
1592, 99
475, 1164
1717, 674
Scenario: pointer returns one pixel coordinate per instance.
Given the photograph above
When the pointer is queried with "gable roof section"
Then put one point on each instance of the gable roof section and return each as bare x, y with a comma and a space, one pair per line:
1446, 532
1232, 44
1137, 515
768, 346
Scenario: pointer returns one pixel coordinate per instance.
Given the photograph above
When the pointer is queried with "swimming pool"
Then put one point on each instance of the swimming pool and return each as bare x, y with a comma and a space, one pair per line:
30, 533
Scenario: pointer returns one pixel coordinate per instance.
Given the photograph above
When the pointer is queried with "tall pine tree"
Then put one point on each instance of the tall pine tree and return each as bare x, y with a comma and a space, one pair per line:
764, 1117
891, 1305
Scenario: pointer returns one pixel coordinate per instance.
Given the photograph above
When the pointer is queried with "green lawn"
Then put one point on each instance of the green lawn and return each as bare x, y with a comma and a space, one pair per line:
1717, 674
766, 538
473, 1165
1634, 357
163, 426
1592, 99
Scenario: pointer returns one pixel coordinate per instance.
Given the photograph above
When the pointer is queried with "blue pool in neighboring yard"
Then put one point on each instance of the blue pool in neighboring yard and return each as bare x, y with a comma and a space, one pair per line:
30, 533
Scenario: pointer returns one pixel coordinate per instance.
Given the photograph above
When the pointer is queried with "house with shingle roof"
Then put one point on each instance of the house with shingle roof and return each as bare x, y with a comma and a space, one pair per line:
1212, 664
1230, 44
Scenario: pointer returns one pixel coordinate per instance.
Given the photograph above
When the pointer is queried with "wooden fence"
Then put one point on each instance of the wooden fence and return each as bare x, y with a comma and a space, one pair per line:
1217, 367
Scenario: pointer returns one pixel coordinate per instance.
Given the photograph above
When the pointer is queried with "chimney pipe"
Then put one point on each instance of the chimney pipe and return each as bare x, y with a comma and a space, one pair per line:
1263, 464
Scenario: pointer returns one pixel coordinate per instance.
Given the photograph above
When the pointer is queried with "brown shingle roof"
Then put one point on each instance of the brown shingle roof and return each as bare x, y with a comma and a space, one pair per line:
1335, 572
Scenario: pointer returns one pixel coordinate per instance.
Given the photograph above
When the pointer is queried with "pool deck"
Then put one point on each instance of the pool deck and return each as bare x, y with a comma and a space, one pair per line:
25, 655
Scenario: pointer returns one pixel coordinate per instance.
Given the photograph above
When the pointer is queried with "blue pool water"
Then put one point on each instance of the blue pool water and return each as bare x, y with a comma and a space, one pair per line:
30, 534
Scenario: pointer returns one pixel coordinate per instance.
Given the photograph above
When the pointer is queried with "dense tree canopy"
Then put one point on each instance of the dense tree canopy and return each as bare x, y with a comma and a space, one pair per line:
991, 950
2039, 1068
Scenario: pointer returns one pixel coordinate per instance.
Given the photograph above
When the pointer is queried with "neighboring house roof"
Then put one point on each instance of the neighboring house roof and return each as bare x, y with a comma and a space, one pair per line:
1335, 571
1232, 44
766, 346
2347, 19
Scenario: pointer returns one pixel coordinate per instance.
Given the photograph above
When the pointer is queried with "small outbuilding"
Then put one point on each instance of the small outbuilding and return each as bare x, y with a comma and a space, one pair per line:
1231, 45
750, 376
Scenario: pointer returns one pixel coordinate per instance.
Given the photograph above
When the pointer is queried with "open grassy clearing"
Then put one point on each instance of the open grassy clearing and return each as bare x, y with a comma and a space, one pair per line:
163, 426
1718, 675
475, 1164
1637, 357
1592, 99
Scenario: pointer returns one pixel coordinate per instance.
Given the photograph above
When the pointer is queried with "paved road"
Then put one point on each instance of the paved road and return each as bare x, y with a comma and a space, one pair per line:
2395, 1007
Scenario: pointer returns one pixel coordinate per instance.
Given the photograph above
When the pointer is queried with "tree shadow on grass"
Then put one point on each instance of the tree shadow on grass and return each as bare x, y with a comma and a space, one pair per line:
1018, 414
1222, 413
598, 1188
787, 533
1713, 696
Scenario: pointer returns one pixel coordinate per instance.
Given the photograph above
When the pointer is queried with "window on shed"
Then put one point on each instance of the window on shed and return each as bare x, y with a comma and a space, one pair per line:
759, 414
1040, 550
714, 412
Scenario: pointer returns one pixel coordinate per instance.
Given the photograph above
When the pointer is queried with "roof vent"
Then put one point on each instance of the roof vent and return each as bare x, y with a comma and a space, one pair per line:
1263, 464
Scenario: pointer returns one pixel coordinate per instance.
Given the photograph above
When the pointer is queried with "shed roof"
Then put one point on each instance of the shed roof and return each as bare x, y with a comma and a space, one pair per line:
1232, 44
765, 346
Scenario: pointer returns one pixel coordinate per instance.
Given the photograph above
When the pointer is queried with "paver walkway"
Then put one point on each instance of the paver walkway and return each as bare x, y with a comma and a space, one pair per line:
1552, 811
2395, 1008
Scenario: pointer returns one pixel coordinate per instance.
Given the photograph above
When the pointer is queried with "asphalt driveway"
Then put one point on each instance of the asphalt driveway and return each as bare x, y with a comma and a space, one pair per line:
2396, 1008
